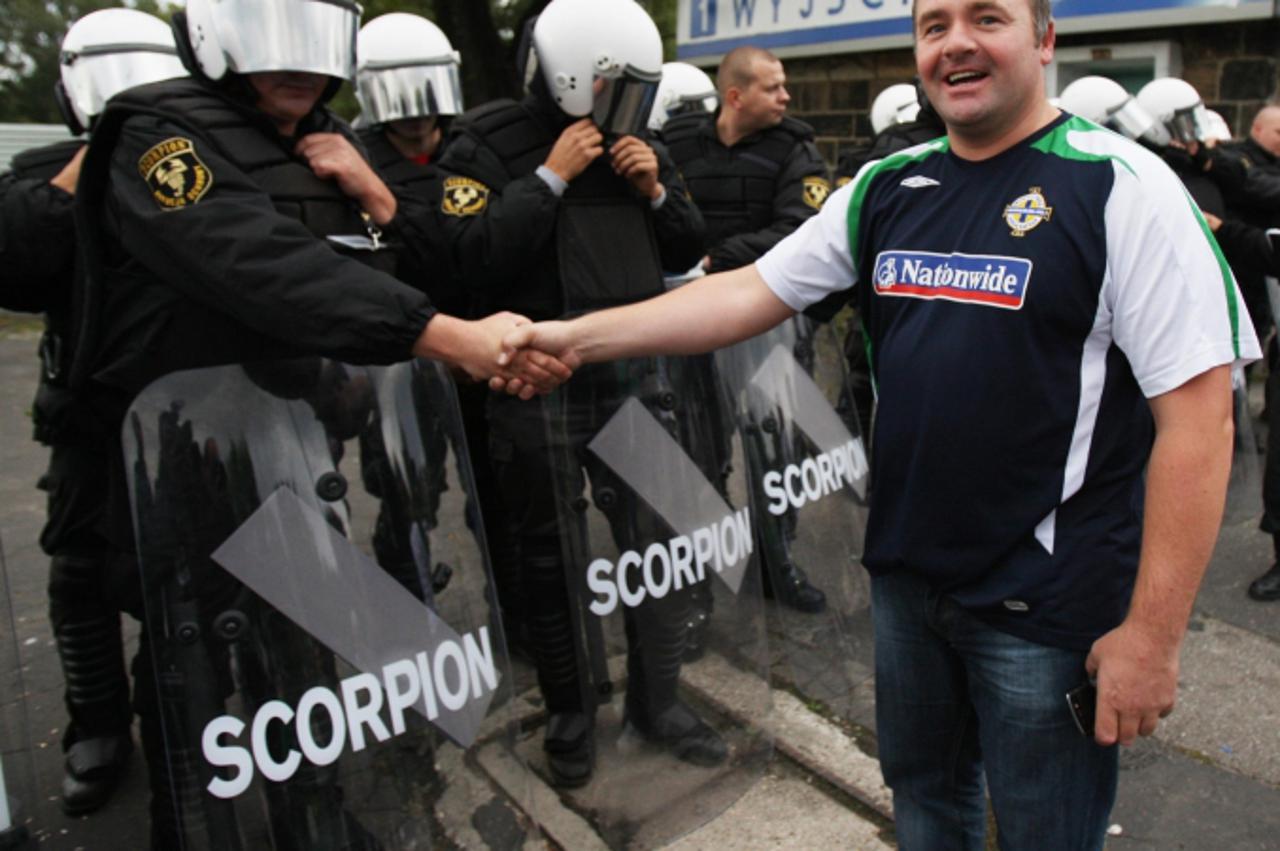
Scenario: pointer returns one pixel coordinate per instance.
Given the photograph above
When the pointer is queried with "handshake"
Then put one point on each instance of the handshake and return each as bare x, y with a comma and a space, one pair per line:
506, 349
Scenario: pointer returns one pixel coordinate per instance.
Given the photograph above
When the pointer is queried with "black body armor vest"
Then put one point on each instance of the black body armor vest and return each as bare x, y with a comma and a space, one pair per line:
606, 249
733, 187
246, 138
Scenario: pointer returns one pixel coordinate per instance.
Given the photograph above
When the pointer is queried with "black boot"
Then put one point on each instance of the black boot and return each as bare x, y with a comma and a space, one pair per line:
679, 730
789, 586
93, 770
569, 747
1267, 586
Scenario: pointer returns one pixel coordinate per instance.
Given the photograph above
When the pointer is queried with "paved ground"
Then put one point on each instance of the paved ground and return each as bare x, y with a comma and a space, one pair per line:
1209, 779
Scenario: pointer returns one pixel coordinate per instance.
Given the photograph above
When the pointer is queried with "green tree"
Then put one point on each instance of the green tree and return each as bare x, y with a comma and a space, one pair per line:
31, 32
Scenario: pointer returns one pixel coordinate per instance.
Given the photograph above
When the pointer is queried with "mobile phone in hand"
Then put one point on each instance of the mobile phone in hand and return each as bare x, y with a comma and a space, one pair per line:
1083, 703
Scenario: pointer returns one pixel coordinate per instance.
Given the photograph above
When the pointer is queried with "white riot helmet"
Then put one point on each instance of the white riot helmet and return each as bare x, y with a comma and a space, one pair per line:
248, 36
897, 104
106, 52
406, 68
1219, 129
610, 45
1104, 101
1176, 104
684, 88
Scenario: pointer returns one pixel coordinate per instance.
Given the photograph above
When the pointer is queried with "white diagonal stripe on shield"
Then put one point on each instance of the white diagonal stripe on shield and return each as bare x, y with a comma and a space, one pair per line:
288, 555
655, 466
785, 383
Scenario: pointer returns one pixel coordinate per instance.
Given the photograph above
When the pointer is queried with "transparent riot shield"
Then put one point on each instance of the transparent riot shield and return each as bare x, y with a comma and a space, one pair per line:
658, 664
1244, 488
800, 449
320, 614
17, 772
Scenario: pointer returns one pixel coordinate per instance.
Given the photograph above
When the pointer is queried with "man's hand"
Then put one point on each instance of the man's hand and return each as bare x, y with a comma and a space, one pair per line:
525, 341
1211, 220
67, 178
332, 157
637, 162
577, 148
1137, 675
477, 347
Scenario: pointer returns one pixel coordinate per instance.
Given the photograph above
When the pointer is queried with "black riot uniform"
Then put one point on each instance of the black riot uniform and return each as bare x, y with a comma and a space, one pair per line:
1255, 198
524, 249
426, 261
424, 255
208, 242
37, 231
752, 195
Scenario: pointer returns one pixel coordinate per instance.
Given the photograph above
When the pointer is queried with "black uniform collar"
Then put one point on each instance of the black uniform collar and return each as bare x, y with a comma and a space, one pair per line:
1259, 154
746, 141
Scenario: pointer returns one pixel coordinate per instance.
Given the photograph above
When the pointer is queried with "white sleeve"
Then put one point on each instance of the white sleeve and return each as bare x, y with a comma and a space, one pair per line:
813, 261
1176, 310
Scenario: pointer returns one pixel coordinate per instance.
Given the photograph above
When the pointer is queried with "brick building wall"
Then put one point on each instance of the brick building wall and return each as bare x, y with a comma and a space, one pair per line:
1233, 66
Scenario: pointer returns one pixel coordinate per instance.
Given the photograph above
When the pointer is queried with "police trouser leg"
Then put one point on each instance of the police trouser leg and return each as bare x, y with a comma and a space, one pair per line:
86, 631
1271, 470
487, 509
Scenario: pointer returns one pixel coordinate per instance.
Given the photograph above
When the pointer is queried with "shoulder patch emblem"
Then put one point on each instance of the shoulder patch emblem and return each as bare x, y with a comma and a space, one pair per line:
816, 190
176, 176
1026, 212
464, 197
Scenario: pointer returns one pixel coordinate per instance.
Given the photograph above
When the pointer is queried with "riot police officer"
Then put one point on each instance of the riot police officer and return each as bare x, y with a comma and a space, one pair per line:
103, 53
408, 86
229, 218
556, 206
756, 175
409, 89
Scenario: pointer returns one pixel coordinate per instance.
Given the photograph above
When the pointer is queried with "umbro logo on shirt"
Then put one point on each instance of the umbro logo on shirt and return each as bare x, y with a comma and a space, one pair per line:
919, 181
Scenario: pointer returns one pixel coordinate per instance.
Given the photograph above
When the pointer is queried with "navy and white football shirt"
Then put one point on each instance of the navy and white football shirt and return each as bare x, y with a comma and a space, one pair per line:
1021, 310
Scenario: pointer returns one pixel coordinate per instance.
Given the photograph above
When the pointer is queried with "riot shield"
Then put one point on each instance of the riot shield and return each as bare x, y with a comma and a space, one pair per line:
1244, 488
322, 622
17, 772
648, 542
802, 454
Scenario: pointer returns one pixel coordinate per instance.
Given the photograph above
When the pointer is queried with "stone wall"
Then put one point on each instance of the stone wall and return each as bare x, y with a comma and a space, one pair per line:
1233, 66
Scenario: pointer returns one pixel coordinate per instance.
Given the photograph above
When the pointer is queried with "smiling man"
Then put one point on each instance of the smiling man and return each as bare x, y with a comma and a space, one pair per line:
1048, 316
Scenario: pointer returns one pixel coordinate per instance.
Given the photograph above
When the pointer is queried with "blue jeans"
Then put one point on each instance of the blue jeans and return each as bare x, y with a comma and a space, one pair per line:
957, 699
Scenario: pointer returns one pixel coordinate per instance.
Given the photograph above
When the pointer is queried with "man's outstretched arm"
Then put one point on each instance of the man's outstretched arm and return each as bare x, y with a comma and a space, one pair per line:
710, 313
1136, 664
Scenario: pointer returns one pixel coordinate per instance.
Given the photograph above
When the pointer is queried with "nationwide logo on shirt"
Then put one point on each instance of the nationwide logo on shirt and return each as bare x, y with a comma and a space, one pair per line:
969, 278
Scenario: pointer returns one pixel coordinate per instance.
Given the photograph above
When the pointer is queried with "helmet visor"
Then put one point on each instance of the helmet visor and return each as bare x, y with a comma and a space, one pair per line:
391, 92
1131, 120
1190, 124
703, 102
316, 36
623, 103
95, 75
